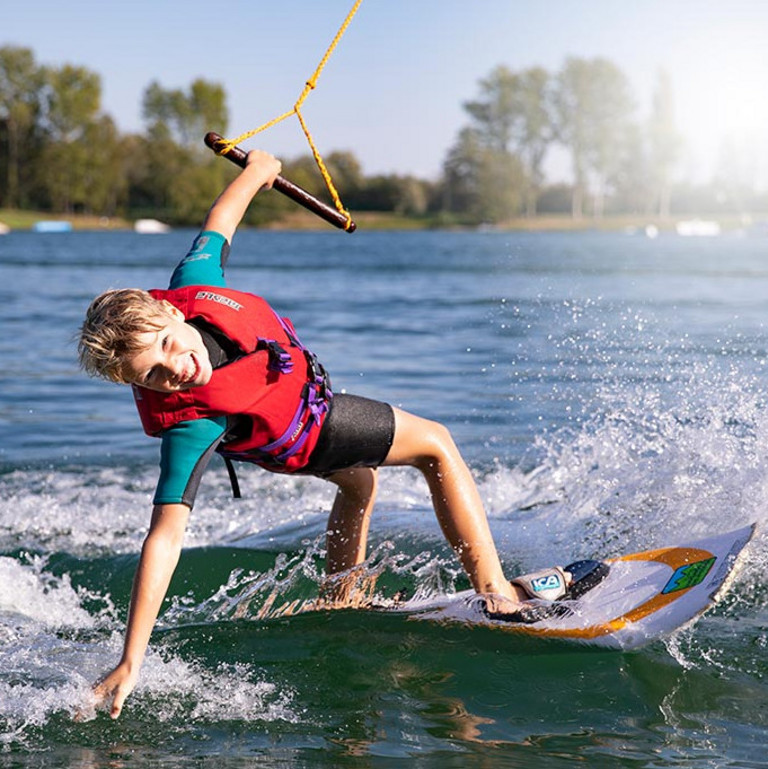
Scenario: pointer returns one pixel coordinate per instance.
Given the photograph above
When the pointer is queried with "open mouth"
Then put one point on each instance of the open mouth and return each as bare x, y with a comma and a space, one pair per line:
191, 377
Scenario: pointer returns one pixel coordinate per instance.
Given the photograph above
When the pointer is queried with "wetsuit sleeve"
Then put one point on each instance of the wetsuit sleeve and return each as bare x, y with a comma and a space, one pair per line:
204, 263
185, 452
188, 446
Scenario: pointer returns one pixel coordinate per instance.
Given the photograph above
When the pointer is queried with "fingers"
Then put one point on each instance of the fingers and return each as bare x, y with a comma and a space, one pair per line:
117, 703
268, 164
103, 691
117, 686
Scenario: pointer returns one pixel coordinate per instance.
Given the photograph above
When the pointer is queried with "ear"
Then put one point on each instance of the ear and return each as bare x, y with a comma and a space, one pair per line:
172, 310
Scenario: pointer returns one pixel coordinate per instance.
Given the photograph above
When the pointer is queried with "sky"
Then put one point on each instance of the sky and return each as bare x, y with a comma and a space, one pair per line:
392, 93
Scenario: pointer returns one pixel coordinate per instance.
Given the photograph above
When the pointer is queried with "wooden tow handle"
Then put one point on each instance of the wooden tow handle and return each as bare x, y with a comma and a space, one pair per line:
238, 156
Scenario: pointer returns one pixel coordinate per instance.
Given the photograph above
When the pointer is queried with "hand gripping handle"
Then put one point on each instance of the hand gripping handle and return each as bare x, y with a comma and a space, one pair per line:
238, 156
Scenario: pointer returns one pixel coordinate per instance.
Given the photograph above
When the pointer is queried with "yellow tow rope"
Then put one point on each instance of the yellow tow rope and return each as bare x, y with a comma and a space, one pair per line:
225, 145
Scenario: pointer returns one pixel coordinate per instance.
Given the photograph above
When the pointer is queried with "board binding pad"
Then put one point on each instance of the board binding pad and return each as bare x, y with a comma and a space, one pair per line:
644, 596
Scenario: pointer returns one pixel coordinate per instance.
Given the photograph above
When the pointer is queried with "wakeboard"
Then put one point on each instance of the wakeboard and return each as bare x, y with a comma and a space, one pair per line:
640, 596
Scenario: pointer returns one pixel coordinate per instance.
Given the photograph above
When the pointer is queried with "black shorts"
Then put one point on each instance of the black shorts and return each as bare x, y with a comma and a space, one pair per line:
358, 432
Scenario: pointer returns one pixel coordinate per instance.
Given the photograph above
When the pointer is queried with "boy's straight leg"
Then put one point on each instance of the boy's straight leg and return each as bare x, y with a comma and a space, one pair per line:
429, 446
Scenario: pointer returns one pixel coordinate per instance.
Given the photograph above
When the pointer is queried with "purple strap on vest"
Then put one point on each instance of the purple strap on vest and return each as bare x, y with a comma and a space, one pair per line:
315, 398
317, 403
279, 359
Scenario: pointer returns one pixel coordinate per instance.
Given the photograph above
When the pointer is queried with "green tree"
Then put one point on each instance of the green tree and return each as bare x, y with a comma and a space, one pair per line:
87, 174
594, 108
187, 117
459, 182
512, 130
496, 112
514, 116
572, 104
73, 100
664, 144
304, 172
154, 163
403, 195
631, 185
175, 177
346, 172
61, 174
535, 129
21, 83
194, 187
481, 181
413, 196
106, 180
380, 193
79, 167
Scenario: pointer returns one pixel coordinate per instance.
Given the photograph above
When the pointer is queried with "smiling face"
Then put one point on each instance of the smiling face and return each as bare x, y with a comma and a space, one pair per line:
171, 358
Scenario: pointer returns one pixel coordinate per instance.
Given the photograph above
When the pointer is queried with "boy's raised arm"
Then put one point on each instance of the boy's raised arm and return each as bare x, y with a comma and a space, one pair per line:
229, 208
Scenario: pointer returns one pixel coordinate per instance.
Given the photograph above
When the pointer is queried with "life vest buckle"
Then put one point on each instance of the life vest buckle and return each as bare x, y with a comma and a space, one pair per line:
318, 376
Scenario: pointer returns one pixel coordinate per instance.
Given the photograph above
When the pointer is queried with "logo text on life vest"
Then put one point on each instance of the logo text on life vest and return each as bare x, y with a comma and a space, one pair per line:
225, 300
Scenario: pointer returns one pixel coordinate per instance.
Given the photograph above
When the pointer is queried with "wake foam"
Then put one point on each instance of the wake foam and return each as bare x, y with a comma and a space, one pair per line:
52, 649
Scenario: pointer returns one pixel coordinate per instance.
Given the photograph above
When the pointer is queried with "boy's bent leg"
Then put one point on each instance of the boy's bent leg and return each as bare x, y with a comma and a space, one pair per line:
429, 447
347, 533
346, 539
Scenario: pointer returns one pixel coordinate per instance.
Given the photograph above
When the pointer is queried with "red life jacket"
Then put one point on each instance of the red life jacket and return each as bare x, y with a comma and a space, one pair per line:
277, 384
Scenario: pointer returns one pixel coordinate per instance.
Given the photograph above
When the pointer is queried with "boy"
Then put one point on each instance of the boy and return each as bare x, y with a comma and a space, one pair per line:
217, 370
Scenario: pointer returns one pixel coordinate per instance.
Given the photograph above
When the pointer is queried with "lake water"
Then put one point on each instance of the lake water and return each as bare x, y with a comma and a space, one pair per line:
608, 391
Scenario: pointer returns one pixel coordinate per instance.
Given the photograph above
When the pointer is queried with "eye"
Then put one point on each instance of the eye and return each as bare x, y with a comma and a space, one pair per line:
164, 343
149, 376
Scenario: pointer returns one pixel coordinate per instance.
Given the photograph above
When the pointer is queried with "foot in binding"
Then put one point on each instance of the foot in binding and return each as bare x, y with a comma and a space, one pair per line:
525, 613
551, 589
585, 575
563, 584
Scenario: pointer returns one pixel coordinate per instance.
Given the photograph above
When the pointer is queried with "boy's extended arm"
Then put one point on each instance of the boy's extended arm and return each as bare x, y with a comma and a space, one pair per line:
162, 545
159, 557
229, 208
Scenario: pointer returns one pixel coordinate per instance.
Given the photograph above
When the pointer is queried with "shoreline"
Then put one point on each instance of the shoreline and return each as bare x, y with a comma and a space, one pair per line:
20, 220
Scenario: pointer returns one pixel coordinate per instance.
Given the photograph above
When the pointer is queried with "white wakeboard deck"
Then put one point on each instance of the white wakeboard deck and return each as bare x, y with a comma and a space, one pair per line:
645, 596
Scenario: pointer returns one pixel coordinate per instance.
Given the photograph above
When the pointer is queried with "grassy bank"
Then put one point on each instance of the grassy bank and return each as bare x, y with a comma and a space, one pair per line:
24, 220
296, 220
299, 219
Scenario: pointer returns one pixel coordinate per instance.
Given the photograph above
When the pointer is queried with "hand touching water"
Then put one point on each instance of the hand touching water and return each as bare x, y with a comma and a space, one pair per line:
115, 687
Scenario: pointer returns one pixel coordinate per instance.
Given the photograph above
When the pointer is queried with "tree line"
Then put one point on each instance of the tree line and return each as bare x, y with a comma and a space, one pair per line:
60, 152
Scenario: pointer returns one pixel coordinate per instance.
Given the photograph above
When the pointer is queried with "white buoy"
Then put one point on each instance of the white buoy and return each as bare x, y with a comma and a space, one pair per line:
150, 227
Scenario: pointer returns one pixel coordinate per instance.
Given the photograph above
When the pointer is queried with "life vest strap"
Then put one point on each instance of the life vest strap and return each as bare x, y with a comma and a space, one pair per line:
279, 359
313, 405
315, 398
233, 478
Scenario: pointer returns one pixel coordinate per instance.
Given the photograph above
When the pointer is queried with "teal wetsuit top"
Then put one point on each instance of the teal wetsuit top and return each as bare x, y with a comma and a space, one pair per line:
188, 446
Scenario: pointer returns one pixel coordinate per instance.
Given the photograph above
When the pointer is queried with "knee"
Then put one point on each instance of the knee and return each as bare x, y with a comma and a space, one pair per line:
421, 443
357, 482
437, 445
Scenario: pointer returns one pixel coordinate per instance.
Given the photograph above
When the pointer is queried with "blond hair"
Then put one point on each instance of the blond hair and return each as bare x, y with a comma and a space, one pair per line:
110, 333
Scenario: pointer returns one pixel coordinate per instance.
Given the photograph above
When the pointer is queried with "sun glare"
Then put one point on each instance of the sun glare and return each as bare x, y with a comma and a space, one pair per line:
721, 93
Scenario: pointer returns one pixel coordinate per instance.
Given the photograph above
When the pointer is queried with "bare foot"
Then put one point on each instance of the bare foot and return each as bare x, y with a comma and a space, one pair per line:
352, 589
519, 594
499, 604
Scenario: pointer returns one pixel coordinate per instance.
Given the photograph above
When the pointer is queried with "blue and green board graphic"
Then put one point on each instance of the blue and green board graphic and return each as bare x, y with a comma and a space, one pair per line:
689, 575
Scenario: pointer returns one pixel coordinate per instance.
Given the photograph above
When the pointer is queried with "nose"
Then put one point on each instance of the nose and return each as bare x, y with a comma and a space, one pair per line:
175, 368
171, 366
